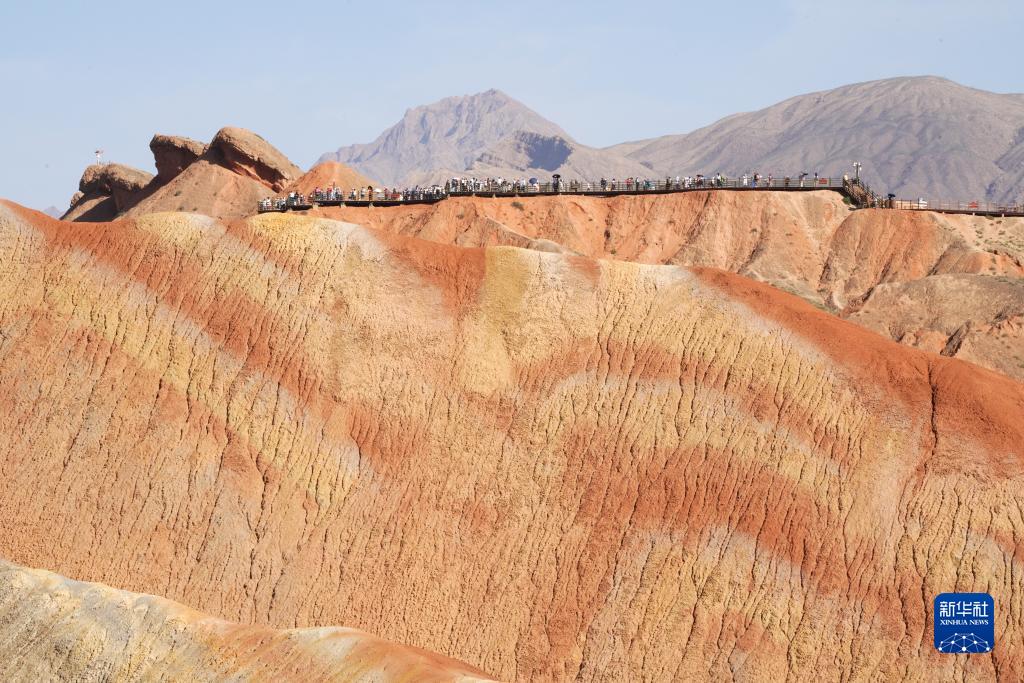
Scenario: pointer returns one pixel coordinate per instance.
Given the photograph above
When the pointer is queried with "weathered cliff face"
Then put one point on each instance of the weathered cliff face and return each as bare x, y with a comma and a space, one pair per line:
547, 466
173, 154
55, 629
776, 236
105, 190
247, 154
809, 244
226, 179
973, 317
880, 246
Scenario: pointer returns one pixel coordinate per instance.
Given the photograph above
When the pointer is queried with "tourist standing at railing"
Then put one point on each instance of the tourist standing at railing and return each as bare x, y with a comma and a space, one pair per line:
632, 184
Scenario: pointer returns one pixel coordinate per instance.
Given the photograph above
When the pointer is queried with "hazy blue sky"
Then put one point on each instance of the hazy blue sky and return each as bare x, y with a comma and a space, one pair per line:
311, 77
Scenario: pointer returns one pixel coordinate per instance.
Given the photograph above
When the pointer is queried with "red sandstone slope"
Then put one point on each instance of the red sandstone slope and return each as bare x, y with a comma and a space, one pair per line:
330, 174
205, 188
549, 466
54, 629
808, 244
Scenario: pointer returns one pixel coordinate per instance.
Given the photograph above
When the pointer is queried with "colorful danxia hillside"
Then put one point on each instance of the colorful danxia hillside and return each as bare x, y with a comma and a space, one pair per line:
476, 401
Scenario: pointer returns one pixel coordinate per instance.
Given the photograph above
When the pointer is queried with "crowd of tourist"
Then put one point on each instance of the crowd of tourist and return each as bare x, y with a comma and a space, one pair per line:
455, 187
520, 186
335, 194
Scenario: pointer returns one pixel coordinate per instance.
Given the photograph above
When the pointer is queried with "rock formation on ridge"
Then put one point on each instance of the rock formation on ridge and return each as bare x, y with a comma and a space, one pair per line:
225, 179
246, 153
173, 154
107, 190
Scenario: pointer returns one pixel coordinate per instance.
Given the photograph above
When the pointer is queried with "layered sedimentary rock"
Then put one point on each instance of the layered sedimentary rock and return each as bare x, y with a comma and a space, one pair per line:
226, 179
55, 629
248, 154
105, 190
172, 154
777, 237
974, 317
879, 246
810, 244
547, 466
206, 188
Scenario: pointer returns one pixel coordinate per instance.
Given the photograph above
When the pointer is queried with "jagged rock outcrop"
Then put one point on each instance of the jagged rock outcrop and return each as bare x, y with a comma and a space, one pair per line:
55, 629
548, 466
810, 244
226, 179
105, 190
116, 180
248, 154
173, 154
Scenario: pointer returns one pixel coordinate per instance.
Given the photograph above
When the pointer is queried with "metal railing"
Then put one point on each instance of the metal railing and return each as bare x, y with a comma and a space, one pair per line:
852, 188
294, 201
643, 186
604, 187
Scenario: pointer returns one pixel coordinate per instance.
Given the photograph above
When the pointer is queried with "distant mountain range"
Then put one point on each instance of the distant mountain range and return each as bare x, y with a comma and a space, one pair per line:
487, 134
920, 136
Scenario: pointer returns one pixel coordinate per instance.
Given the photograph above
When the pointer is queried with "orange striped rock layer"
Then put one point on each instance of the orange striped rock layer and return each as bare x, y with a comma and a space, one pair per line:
544, 465
55, 629
939, 282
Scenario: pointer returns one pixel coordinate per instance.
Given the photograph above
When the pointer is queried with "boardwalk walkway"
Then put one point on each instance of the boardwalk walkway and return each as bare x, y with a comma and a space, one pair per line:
857, 193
